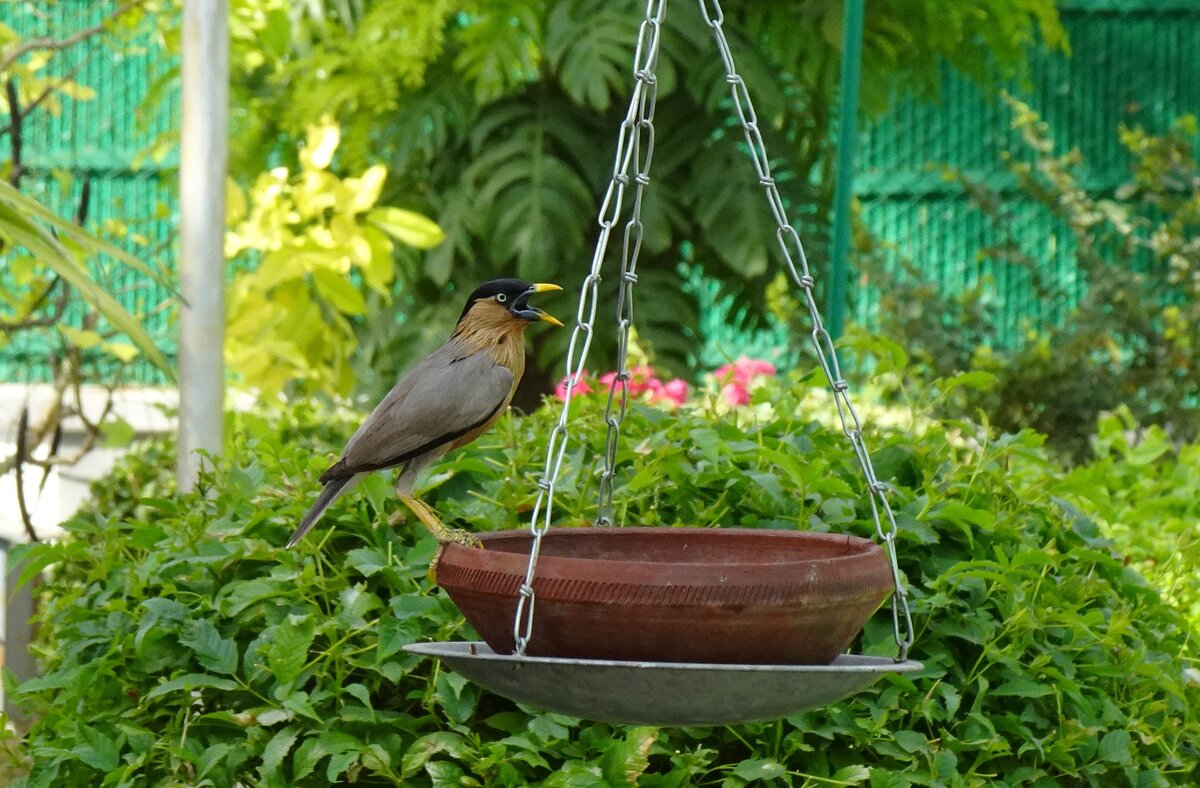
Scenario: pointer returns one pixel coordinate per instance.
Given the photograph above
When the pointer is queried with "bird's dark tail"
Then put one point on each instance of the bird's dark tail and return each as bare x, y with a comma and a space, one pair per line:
333, 489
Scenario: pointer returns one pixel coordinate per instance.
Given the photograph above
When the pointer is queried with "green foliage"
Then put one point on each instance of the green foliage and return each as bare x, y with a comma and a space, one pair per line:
182, 644
1141, 489
1132, 328
499, 119
305, 236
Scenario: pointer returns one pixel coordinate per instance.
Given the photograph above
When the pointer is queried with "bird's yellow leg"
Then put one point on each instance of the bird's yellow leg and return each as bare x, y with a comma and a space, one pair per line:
441, 532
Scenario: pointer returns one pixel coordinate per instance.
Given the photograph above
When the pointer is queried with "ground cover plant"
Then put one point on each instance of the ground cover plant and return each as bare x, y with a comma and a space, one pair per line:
181, 644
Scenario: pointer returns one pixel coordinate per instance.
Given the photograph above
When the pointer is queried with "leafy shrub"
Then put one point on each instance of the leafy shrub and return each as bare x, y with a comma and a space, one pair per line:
303, 239
182, 644
1145, 492
1132, 337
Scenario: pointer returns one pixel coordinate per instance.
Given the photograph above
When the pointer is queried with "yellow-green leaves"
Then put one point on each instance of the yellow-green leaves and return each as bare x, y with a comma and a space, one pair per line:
309, 242
407, 227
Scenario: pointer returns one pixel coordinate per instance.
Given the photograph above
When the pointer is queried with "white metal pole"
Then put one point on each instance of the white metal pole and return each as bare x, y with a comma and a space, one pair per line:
202, 165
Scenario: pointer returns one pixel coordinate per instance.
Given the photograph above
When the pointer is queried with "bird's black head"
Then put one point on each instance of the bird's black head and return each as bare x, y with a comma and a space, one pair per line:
513, 295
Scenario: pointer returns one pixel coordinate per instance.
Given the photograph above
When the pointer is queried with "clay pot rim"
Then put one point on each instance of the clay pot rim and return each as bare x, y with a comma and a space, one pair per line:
861, 547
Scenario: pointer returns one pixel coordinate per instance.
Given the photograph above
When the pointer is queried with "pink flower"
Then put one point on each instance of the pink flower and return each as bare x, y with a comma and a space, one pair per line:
744, 370
581, 387
676, 391
645, 384
735, 394
641, 379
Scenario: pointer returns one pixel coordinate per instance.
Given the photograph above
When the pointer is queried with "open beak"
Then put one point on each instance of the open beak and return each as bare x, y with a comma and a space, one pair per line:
532, 313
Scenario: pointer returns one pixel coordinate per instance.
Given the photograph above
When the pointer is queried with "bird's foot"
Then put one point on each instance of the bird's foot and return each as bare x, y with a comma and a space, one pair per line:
458, 536
443, 533
431, 573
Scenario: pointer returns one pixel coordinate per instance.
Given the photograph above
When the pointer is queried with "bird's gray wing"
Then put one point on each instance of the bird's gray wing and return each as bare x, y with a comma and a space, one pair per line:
441, 399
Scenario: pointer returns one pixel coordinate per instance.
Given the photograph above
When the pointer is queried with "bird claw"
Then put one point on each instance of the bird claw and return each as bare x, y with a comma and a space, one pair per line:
459, 536
431, 573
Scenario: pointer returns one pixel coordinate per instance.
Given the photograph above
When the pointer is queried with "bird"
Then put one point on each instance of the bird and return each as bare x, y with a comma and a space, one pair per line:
446, 401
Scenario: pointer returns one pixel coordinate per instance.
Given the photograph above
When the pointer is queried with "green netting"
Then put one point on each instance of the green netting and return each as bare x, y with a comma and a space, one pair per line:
106, 141
1132, 62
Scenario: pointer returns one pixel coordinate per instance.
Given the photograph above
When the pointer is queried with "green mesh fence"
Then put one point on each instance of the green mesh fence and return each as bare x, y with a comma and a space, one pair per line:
1132, 62
105, 140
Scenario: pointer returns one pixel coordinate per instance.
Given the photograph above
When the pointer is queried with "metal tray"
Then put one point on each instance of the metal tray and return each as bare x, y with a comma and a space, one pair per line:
661, 693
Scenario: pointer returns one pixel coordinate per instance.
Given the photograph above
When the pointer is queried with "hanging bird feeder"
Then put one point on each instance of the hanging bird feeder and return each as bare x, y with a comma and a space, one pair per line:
673, 626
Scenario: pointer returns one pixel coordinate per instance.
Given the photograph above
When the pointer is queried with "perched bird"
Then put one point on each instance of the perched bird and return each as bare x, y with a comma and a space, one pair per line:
448, 400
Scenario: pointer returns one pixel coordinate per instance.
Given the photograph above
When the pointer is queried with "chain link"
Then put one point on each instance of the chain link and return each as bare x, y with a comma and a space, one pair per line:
635, 148
789, 242
631, 247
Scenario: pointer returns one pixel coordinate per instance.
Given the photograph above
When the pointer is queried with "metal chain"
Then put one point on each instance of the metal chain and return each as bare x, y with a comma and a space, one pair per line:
636, 135
631, 247
789, 240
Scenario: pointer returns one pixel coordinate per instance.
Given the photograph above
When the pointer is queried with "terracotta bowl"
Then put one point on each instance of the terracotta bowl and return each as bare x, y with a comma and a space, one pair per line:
714, 595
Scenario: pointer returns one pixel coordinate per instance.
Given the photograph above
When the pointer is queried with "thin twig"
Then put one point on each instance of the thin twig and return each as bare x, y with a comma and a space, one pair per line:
45, 321
17, 113
22, 427
55, 44
51, 86
55, 442
85, 201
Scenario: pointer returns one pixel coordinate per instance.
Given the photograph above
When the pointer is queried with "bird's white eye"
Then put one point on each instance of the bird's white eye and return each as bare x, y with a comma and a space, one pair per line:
501, 297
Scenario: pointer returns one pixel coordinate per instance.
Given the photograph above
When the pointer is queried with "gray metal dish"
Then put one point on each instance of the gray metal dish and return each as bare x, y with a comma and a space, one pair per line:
661, 693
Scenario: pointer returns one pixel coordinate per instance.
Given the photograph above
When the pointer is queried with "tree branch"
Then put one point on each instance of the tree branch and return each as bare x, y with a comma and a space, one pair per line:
26, 520
15, 140
49, 89
56, 44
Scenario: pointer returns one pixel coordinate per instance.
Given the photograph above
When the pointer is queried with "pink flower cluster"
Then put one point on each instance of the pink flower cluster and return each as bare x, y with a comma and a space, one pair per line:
734, 379
642, 383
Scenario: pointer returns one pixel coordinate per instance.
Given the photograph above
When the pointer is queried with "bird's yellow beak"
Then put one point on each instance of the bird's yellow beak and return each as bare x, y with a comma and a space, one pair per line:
546, 287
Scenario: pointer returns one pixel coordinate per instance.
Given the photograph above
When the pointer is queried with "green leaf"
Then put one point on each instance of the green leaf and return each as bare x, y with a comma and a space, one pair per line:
408, 227
759, 769
339, 291
457, 696
427, 746
366, 560
240, 594
213, 754
80, 339
97, 750
214, 652
276, 750
589, 46
911, 741
326, 743
360, 692
1114, 747
851, 775
626, 760
189, 682
122, 350
288, 649
118, 433
274, 717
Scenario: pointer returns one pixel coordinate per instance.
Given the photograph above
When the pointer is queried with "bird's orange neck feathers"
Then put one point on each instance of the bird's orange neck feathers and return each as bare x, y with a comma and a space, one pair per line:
490, 325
